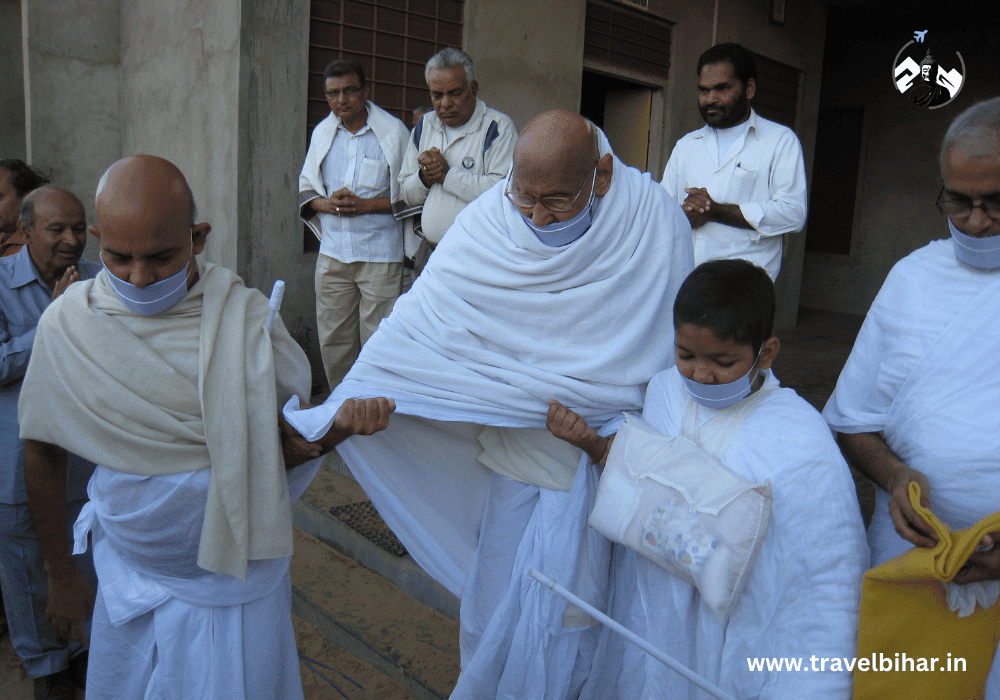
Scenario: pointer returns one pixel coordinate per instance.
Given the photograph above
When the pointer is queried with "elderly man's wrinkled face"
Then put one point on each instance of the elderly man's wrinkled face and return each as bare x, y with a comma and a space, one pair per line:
723, 99
59, 231
453, 98
975, 179
10, 203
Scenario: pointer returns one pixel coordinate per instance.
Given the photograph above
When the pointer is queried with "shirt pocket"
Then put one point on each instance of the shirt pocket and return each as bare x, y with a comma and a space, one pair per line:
744, 184
373, 176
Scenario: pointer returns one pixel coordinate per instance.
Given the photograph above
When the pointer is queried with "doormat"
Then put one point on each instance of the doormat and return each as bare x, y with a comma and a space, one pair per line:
365, 520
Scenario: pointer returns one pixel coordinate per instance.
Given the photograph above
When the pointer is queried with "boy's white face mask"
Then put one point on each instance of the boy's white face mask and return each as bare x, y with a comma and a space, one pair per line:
724, 395
154, 298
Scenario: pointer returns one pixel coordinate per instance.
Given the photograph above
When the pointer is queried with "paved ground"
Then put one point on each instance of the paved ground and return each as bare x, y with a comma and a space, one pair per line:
810, 361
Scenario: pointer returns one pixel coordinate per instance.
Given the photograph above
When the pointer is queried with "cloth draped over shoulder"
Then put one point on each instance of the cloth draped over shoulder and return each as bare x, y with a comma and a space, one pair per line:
391, 134
188, 389
923, 372
497, 324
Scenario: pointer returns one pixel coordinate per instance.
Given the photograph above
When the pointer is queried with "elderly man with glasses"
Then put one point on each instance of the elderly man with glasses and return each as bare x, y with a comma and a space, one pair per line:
918, 399
556, 284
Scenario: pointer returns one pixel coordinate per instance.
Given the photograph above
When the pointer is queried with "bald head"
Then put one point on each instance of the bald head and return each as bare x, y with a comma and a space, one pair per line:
146, 220
556, 156
558, 141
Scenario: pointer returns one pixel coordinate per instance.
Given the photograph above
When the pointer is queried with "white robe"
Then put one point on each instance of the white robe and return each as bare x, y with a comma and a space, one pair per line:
923, 372
496, 325
801, 598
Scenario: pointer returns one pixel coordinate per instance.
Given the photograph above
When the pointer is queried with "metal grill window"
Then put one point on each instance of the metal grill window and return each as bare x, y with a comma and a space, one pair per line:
623, 38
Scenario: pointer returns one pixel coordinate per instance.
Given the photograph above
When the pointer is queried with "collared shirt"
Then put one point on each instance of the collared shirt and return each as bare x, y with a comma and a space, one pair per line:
763, 172
356, 161
23, 298
11, 243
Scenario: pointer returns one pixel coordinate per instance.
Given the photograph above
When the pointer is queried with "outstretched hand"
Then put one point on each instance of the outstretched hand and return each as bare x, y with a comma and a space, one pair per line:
359, 417
568, 425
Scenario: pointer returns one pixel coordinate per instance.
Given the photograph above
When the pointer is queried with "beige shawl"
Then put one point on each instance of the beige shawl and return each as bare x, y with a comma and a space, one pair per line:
193, 387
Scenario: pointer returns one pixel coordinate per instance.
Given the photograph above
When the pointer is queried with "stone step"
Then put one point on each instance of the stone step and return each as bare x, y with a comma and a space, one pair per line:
379, 608
333, 486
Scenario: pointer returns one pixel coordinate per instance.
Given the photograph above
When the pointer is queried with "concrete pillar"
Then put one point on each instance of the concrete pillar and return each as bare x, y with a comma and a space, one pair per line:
71, 91
12, 143
528, 54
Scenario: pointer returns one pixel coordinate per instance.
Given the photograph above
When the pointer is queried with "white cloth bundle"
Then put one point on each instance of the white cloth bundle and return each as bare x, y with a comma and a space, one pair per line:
680, 507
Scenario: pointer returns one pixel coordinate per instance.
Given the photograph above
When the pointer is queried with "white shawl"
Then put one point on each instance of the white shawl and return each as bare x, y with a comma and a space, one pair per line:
496, 325
191, 388
391, 134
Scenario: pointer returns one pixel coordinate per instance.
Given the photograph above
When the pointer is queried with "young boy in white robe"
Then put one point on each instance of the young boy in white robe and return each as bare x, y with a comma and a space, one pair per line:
799, 606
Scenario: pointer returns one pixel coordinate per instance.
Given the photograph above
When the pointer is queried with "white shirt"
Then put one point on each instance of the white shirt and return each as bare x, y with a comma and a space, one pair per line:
764, 173
356, 161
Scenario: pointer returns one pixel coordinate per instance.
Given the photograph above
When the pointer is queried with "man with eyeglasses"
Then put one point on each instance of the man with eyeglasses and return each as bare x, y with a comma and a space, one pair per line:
555, 284
347, 187
741, 179
458, 151
918, 398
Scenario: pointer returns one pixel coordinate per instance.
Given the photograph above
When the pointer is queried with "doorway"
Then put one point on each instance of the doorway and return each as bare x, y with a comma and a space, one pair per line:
622, 109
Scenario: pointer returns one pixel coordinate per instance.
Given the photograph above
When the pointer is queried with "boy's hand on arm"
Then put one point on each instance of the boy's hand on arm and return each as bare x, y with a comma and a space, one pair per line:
872, 456
567, 425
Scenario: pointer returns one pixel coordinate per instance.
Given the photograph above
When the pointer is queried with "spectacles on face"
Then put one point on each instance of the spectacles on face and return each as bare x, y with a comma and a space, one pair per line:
556, 204
347, 92
960, 206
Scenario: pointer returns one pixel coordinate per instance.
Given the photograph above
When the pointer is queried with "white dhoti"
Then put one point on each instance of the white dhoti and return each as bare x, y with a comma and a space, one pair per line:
496, 325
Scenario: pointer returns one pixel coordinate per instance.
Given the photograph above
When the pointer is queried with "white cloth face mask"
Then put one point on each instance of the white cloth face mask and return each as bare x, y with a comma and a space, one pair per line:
154, 298
983, 253
723, 395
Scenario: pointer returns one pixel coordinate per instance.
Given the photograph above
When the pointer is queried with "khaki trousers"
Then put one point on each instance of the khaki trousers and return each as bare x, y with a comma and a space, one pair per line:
351, 299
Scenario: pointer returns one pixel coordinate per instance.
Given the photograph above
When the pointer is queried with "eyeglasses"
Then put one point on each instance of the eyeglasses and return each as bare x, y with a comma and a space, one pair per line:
961, 206
556, 204
348, 92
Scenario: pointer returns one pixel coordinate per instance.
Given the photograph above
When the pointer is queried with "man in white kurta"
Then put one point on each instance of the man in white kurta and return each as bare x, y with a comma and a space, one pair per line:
740, 178
163, 373
918, 398
801, 597
517, 305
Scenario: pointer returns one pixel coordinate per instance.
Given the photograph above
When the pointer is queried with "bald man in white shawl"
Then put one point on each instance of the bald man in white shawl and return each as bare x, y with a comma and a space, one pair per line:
162, 372
919, 397
561, 289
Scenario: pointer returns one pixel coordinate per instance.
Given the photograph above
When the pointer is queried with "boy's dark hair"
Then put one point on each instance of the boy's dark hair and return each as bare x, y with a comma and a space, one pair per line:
735, 298
23, 178
741, 59
345, 66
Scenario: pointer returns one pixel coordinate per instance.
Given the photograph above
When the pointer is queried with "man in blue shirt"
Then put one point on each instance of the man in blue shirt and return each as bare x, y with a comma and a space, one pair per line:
53, 222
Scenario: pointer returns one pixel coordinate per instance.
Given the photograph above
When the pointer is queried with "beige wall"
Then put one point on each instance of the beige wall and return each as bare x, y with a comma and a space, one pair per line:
72, 96
529, 55
899, 176
12, 144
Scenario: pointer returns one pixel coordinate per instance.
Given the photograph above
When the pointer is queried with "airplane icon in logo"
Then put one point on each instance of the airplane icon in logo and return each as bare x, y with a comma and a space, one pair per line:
919, 36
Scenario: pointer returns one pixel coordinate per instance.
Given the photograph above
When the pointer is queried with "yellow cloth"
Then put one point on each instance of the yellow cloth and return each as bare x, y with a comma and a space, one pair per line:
190, 388
904, 610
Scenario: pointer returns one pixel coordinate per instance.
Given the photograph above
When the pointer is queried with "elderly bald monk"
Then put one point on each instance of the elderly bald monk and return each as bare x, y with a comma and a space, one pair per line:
161, 371
54, 225
543, 288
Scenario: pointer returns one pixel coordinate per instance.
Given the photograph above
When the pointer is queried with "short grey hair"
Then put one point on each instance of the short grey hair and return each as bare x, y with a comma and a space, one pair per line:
976, 130
103, 182
449, 58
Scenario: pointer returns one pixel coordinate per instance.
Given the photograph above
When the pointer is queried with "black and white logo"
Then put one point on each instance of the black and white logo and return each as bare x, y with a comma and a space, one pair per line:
468, 162
925, 79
